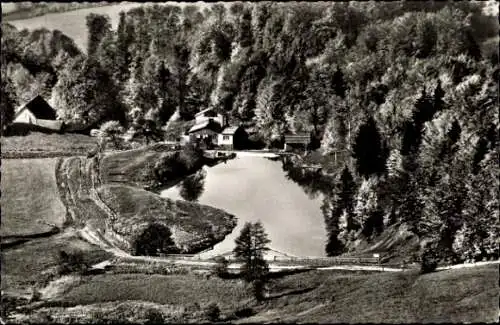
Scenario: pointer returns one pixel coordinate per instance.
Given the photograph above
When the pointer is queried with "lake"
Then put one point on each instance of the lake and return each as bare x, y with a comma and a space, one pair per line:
256, 188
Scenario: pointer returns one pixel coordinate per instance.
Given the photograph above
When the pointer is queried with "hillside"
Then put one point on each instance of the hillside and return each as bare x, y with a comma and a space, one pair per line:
121, 213
400, 100
194, 227
30, 198
37, 144
463, 295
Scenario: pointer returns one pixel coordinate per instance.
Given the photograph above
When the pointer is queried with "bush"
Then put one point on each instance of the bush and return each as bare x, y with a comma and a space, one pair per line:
70, 262
155, 239
256, 141
8, 304
428, 260
220, 269
212, 312
244, 312
190, 156
173, 165
36, 295
41, 317
154, 316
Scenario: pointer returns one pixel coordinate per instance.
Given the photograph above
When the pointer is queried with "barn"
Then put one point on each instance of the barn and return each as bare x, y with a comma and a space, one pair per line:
233, 138
38, 114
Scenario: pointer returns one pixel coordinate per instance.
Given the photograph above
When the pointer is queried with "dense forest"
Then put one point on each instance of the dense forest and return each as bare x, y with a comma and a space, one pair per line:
408, 88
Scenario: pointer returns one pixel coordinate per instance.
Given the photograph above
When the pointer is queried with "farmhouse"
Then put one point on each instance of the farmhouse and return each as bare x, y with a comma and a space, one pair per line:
38, 113
299, 140
211, 129
233, 138
205, 133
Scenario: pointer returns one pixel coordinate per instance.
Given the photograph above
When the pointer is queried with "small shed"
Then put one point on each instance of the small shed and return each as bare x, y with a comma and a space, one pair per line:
233, 138
301, 140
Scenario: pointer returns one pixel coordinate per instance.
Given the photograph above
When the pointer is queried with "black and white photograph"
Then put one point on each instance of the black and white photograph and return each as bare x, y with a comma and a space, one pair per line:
250, 162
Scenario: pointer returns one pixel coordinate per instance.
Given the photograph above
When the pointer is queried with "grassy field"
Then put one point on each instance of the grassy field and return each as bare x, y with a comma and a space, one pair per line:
30, 197
10, 12
24, 265
171, 289
463, 295
195, 226
41, 143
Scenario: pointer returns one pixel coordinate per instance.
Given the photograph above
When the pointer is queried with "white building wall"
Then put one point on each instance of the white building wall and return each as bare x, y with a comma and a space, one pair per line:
228, 141
26, 117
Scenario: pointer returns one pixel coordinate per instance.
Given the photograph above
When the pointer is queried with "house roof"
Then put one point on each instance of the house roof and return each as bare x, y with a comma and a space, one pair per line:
210, 124
200, 126
39, 108
230, 130
203, 111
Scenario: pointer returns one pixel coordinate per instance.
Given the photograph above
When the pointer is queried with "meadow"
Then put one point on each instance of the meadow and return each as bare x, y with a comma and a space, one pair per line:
462, 295
10, 12
26, 265
41, 144
30, 198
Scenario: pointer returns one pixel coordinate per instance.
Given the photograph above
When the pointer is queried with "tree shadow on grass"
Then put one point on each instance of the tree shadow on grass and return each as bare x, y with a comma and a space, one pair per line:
290, 293
281, 274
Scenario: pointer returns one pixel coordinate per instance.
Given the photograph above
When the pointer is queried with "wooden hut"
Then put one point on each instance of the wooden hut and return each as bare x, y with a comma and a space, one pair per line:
299, 140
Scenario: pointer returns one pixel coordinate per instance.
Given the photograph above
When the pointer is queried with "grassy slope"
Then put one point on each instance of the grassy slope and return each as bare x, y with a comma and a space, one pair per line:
172, 289
30, 197
395, 244
192, 222
10, 12
463, 295
22, 266
129, 166
75, 173
40, 142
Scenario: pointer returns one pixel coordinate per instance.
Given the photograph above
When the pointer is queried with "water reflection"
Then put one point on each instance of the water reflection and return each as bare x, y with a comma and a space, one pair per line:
313, 182
193, 186
254, 188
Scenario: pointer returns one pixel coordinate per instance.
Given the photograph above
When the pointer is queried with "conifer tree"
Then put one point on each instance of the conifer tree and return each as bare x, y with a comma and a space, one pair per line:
123, 42
98, 26
369, 151
7, 103
251, 245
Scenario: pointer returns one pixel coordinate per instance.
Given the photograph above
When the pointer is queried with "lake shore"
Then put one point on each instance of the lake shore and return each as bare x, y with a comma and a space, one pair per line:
253, 188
